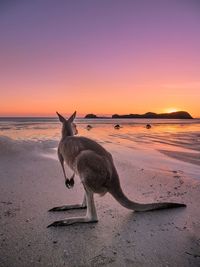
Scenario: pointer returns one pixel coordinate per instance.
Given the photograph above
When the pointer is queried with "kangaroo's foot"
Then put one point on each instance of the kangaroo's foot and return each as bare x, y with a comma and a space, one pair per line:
91, 215
69, 207
83, 205
73, 220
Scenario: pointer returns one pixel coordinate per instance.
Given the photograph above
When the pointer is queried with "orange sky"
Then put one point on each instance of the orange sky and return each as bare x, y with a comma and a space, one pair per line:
107, 99
103, 58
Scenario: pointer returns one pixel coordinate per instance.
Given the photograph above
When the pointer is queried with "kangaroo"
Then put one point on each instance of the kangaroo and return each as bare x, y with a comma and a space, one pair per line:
95, 167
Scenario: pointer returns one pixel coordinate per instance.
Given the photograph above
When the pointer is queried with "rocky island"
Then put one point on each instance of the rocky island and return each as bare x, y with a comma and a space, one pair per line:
148, 115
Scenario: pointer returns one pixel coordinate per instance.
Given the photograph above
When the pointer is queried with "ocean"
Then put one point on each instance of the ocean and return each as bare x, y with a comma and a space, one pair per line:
181, 133
167, 142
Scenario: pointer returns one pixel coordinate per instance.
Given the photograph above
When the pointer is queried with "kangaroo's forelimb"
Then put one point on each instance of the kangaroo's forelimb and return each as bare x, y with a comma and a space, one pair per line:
69, 182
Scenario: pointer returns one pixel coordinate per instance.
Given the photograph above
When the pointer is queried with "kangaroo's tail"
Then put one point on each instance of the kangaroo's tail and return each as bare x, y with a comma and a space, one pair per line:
118, 194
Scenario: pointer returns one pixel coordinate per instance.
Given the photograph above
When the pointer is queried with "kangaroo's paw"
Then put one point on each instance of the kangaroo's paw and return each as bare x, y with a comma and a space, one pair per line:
71, 221
68, 207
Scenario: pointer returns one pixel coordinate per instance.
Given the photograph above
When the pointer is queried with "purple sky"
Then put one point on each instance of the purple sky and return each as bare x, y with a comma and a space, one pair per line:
99, 56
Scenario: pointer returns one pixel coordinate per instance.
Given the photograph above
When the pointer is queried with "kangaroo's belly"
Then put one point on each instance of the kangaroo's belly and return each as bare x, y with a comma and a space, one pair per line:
94, 170
73, 147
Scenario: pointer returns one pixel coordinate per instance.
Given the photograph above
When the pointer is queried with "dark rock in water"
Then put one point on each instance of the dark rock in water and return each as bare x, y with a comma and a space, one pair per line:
117, 126
88, 127
148, 126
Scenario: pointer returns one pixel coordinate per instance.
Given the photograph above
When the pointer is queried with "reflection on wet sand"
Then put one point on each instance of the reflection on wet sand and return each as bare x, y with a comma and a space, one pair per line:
178, 140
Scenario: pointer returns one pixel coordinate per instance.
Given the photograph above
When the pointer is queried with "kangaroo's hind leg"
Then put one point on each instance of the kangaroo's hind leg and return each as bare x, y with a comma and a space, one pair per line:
91, 215
83, 205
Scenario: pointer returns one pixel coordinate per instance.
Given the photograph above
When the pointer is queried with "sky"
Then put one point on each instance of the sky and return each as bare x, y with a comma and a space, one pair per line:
99, 56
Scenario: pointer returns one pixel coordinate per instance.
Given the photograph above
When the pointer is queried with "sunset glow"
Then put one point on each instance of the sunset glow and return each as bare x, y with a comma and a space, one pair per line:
101, 57
169, 110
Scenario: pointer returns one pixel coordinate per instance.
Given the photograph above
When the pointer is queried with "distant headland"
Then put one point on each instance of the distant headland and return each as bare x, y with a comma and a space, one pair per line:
148, 115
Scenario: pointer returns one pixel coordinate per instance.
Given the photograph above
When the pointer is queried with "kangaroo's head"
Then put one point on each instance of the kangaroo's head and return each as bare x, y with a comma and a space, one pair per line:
68, 127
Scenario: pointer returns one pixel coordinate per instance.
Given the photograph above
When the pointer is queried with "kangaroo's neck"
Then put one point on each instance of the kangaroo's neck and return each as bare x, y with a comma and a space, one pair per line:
64, 137
66, 133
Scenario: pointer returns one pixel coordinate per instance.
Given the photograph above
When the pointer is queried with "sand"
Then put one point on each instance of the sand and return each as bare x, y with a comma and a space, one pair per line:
31, 182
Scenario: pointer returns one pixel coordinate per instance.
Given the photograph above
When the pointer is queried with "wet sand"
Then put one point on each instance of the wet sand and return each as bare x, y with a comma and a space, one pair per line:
32, 182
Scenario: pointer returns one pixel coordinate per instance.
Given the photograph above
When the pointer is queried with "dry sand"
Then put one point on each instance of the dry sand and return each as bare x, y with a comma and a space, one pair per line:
31, 183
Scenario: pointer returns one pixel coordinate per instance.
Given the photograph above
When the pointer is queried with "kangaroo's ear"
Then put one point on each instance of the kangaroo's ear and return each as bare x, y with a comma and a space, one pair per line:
61, 118
72, 117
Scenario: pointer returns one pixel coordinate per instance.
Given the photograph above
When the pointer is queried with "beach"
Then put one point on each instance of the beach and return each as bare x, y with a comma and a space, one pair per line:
156, 165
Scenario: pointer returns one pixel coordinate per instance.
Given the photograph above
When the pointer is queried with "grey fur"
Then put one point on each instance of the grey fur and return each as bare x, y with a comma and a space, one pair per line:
95, 167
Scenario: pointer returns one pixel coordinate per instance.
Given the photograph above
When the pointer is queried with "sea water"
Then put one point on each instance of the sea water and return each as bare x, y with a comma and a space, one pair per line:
180, 133
173, 142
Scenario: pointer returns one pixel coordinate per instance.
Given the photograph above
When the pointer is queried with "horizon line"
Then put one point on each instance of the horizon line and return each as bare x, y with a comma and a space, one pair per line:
83, 115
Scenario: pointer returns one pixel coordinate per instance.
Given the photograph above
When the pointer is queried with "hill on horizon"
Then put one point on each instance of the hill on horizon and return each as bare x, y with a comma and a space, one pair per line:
148, 115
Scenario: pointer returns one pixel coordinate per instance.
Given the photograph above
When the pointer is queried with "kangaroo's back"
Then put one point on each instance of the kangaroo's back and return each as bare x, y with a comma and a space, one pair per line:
71, 147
